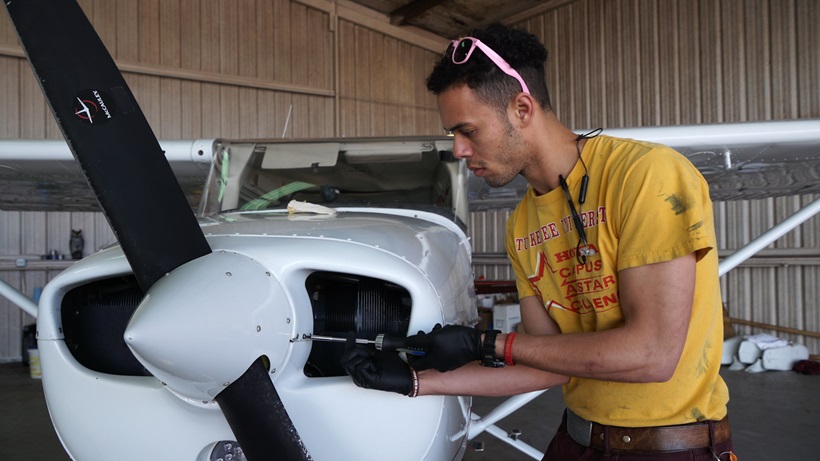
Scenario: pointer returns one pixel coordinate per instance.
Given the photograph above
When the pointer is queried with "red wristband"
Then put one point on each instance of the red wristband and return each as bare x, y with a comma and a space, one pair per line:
508, 359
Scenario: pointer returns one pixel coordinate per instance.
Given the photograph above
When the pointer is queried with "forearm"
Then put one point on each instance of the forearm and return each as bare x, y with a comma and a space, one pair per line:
474, 379
656, 302
621, 354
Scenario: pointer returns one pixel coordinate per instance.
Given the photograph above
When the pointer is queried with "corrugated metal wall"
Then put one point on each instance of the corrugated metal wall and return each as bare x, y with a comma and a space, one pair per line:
32, 236
221, 68
623, 63
381, 85
781, 286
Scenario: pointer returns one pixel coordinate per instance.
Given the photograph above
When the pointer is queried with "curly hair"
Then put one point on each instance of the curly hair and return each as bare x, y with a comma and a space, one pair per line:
522, 50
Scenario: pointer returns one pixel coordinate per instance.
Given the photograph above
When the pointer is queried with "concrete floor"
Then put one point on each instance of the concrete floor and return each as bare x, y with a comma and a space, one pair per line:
775, 417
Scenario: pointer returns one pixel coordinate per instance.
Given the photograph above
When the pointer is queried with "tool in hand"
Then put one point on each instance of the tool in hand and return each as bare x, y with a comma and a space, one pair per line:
383, 342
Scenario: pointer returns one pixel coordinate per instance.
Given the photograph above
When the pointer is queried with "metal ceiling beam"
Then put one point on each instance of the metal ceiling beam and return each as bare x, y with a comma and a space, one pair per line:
535, 9
411, 10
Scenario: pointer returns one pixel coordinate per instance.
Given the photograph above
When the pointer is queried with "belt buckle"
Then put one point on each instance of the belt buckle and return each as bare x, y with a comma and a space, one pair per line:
578, 428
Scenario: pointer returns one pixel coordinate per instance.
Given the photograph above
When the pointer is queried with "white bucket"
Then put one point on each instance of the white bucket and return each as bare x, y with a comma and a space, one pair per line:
34, 364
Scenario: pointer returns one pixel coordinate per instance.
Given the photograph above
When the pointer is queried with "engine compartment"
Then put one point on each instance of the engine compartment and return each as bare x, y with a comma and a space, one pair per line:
343, 303
95, 315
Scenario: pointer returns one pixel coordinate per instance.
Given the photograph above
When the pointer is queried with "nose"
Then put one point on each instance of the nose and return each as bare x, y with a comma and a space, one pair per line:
461, 148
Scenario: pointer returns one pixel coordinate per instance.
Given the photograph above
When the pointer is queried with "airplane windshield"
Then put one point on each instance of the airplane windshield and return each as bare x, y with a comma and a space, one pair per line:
414, 174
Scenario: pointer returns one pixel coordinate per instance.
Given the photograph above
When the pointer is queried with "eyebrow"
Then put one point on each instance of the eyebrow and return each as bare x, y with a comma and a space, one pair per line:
450, 130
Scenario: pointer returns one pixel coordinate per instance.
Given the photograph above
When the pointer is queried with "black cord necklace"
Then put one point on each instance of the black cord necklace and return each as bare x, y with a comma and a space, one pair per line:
582, 249
582, 195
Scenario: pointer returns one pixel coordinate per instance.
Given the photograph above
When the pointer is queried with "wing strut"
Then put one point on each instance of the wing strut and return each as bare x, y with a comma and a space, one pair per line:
751, 248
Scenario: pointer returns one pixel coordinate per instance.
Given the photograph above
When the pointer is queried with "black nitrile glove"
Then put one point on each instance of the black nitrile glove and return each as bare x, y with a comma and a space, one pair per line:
372, 369
446, 348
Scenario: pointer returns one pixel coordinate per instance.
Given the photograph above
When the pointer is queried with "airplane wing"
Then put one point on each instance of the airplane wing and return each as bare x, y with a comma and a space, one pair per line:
42, 175
748, 160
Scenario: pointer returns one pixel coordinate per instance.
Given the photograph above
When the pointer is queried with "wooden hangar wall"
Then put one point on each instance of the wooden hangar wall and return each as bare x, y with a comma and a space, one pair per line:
626, 63
249, 68
222, 68
218, 68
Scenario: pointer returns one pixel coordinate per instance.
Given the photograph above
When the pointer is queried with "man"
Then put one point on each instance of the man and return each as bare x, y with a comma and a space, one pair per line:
616, 269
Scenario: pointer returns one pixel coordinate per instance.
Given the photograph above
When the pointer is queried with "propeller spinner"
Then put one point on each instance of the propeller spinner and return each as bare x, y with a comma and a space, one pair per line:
183, 280
191, 316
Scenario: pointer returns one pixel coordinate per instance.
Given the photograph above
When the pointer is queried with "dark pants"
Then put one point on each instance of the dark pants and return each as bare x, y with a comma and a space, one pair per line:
563, 448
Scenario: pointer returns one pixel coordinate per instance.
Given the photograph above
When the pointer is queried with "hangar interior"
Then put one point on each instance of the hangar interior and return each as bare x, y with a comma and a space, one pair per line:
310, 69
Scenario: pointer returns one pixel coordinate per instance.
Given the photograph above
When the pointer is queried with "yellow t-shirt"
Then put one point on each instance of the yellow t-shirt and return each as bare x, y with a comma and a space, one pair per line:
645, 204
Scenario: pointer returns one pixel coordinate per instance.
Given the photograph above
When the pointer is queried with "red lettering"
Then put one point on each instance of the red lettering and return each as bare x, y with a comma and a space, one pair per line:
538, 237
600, 303
563, 256
611, 299
566, 224
602, 214
588, 267
582, 306
590, 219
544, 234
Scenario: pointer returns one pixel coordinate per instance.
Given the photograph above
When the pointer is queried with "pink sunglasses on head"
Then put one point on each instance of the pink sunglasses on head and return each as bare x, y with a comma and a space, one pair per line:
460, 56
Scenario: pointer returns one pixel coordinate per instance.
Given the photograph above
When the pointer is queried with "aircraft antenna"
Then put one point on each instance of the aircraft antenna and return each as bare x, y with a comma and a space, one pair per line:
287, 119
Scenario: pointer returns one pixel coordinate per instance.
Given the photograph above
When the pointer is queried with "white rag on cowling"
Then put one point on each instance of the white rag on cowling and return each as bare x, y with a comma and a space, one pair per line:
295, 207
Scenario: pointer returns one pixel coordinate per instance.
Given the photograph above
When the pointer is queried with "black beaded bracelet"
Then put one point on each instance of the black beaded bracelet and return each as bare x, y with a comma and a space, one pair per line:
488, 358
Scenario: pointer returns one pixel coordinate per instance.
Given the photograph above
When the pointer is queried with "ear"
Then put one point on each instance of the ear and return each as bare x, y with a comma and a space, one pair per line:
522, 110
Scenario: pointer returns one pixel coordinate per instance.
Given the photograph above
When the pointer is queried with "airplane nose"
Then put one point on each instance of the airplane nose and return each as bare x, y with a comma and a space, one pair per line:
192, 334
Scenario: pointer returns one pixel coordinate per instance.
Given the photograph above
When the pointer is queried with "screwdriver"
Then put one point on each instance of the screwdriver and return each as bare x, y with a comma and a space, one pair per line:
383, 342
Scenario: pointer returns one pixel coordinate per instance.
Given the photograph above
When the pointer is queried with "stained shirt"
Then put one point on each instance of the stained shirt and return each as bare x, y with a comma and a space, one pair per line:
645, 204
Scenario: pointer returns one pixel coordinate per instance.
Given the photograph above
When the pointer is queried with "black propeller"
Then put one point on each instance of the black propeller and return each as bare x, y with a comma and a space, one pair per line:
125, 167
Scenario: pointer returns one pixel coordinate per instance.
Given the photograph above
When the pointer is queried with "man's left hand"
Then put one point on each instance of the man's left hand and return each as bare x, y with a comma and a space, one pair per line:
372, 369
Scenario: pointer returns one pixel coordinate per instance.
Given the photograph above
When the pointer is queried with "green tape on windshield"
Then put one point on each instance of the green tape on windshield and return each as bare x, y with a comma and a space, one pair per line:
263, 201
223, 179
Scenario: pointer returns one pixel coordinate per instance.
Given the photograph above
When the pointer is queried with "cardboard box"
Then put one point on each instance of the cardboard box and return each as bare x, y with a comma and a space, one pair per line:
485, 317
506, 317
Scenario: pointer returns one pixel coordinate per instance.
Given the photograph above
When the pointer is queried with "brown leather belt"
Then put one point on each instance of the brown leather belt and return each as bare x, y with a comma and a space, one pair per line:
647, 439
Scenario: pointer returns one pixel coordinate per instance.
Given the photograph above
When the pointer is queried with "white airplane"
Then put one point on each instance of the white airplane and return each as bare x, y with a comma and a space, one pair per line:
320, 237
192, 340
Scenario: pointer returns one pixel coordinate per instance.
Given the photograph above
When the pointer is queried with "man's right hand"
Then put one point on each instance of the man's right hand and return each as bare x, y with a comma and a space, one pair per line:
446, 348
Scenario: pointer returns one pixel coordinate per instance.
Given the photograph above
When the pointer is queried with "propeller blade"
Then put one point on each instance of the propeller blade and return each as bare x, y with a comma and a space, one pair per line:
125, 167
110, 138
253, 409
